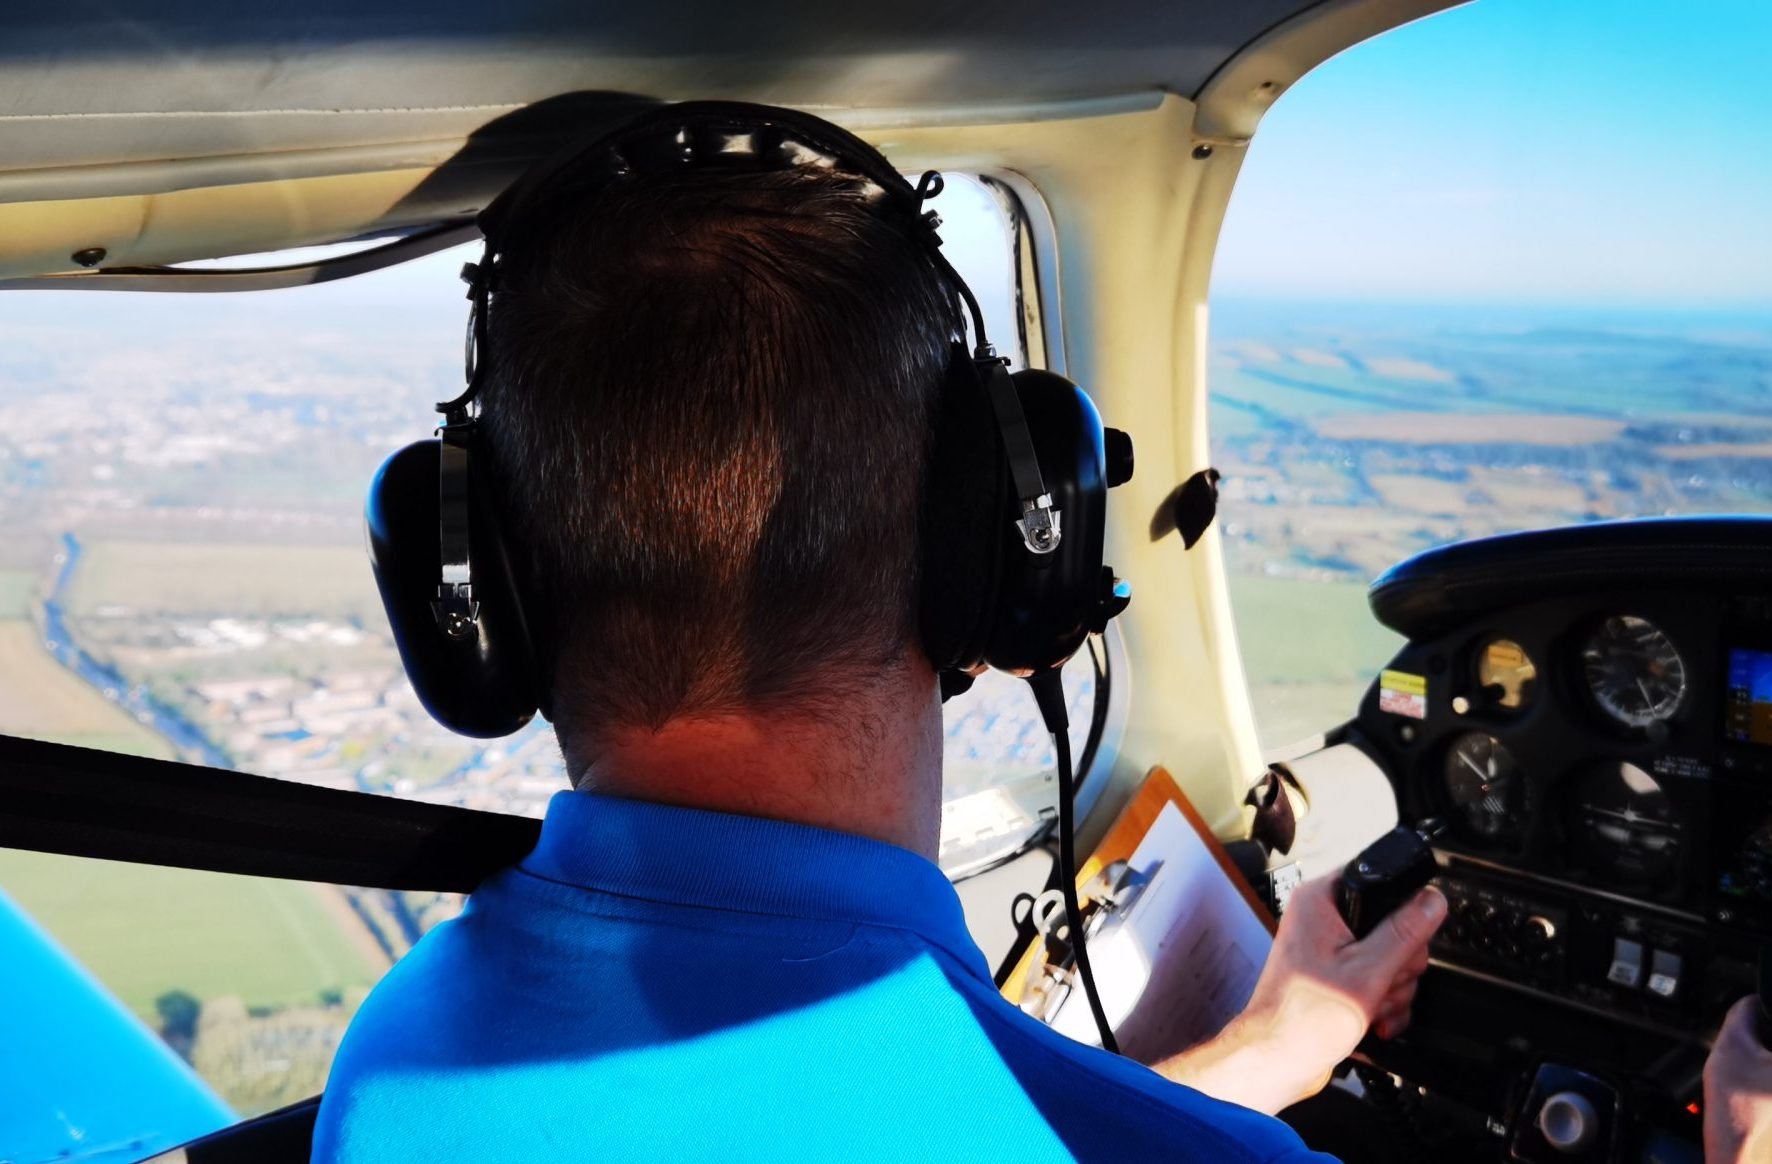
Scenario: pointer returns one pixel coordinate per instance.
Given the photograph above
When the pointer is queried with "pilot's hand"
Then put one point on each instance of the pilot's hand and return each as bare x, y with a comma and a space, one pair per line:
1316, 998
1738, 1092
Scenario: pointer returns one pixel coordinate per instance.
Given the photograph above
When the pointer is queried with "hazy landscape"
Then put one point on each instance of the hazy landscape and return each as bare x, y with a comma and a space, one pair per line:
1351, 436
183, 575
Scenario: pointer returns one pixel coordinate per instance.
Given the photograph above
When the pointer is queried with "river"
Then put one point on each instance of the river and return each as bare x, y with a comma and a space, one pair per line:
167, 721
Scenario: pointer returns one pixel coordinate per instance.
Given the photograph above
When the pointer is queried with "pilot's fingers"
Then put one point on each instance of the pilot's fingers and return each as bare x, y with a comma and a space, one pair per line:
1400, 939
1391, 1023
1397, 998
1401, 991
1738, 1051
1410, 972
1739, 1025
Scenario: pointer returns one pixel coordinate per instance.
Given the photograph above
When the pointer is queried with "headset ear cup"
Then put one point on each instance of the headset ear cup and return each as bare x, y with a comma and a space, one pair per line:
483, 685
1047, 604
966, 518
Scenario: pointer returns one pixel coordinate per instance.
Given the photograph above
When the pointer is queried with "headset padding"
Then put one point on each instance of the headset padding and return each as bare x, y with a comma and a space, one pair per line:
600, 157
966, 517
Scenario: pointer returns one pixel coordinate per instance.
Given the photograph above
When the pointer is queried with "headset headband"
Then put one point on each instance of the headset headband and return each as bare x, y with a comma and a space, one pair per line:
705, 133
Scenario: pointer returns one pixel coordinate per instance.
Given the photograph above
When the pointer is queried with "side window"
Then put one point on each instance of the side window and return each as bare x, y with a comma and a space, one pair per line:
183, 576
1477, 310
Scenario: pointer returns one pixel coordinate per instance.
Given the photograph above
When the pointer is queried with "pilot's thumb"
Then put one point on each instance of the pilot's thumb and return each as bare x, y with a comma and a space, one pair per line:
1400, 938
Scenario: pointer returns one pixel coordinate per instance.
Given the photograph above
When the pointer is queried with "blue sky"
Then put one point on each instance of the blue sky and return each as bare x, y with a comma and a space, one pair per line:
1524, 151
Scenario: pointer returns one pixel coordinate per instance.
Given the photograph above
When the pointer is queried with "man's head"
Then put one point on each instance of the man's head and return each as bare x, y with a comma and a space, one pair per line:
709, 412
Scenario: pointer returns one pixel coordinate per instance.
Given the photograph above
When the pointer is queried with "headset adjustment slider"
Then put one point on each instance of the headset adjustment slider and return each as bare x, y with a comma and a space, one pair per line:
1041, 530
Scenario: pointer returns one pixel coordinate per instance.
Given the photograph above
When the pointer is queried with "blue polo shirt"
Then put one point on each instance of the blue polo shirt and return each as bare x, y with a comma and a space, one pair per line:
657, 983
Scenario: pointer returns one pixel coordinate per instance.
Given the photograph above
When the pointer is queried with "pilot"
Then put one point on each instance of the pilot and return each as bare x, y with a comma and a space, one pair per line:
708, 413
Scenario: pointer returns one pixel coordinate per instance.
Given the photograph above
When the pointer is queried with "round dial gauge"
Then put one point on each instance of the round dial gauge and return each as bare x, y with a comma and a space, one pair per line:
1506, 673
1634, 672
1484, 783
1625, 826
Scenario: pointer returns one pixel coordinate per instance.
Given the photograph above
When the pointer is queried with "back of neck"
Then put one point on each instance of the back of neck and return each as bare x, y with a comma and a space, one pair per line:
873, 770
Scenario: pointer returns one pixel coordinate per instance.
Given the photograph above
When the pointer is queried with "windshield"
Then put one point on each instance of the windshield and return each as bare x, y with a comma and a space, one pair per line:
1501, 306
182, 482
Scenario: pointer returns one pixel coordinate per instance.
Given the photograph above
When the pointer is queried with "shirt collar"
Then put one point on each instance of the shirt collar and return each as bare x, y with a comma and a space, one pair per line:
688, 856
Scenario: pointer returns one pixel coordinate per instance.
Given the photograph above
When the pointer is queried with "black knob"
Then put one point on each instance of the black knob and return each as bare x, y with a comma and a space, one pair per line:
1117, 443
1569, 1122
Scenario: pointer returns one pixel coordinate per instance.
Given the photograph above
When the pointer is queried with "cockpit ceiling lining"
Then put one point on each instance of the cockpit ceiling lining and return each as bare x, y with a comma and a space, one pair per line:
214, 128
80, 87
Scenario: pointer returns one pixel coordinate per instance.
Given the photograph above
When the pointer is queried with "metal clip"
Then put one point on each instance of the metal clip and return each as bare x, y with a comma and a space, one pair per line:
1040, 527
455, 610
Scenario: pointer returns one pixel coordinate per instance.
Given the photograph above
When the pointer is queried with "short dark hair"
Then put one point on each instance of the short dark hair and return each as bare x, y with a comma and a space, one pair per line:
709, 413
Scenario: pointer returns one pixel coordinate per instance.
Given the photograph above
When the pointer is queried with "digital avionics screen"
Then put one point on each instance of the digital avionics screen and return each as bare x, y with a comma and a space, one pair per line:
1748, 707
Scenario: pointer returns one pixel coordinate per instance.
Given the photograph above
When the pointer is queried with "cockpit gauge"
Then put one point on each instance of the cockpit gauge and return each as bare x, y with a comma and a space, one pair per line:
1747, 875
1633, 671
1626, 829
1485, 786
1506, 674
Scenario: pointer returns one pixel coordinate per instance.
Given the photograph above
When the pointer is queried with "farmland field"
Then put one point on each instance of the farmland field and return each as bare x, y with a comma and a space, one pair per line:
226, 579
1310, 649
41, 699
15, 593
144, 930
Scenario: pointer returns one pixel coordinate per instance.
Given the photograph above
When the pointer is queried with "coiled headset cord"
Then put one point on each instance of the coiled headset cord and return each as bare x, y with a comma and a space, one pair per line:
1048, 689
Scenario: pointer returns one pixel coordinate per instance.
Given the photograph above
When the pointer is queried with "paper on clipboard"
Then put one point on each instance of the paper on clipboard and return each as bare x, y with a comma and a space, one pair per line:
1181, 960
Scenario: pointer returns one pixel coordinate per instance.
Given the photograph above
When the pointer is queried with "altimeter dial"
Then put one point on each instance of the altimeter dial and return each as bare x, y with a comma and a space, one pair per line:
1633, 671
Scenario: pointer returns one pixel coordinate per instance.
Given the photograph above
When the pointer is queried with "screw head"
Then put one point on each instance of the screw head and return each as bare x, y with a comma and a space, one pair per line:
1202, 151
89, 256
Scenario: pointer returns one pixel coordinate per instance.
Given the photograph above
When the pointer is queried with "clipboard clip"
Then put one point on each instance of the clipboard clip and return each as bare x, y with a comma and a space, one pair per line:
1110, 893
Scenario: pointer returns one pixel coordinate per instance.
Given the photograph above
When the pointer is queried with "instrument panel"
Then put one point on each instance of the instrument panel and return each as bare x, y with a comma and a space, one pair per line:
1602, 766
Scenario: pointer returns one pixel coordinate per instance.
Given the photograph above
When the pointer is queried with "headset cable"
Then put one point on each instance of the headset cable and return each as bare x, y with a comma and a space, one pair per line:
1048, 688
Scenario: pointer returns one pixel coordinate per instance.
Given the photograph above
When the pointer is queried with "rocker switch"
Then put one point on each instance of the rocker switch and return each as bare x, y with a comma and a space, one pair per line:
1664, 973
1627, 963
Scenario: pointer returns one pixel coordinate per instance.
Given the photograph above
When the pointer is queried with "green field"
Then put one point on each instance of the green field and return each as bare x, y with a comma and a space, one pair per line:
144, 930
42, 700
238, 581
15, 593
1310, 649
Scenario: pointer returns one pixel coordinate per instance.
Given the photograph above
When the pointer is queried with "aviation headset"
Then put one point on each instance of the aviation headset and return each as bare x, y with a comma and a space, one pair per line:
1014, 498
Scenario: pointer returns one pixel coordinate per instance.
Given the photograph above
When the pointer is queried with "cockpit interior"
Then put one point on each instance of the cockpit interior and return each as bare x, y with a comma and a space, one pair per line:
1572, 708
